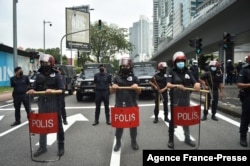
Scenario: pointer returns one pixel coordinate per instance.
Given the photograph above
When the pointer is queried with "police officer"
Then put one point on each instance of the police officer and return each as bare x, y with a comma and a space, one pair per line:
103, 82
212, 81
48, 80
21, 84
179, 78
159, 83
125, 98
243, 83
62, 97
195, 69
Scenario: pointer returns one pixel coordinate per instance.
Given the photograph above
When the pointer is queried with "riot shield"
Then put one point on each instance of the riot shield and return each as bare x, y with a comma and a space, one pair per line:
123, 116
186, 119
44, 126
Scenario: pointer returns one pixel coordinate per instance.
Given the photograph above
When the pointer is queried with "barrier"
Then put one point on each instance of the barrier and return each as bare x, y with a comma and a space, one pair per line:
44, 125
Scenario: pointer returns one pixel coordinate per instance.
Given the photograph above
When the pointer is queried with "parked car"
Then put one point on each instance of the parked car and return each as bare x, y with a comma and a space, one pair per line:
85, 85
69, 72
144, 72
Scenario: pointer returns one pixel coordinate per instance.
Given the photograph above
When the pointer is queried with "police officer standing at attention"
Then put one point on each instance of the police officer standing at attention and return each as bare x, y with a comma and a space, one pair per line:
48, 80
21, 84
179, 78
125, 97
159, 83
243, 83
103, 82
62, 97
212, 81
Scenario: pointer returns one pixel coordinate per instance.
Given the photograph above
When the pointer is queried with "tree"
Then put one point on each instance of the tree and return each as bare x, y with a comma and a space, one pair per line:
108, 41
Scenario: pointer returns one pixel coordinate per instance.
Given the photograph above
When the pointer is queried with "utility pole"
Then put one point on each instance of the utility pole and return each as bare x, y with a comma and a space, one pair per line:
15, 62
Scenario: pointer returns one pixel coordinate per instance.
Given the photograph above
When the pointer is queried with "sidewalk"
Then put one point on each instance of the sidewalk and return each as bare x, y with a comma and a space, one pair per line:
5, 97
230, 102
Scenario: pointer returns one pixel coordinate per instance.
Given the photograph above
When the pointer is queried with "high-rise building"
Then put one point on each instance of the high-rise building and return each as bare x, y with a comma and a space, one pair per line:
155, 24
171, 17
140, 35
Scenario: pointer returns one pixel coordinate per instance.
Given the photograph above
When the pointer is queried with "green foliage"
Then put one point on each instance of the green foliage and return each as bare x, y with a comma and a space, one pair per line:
108, 41
5, 89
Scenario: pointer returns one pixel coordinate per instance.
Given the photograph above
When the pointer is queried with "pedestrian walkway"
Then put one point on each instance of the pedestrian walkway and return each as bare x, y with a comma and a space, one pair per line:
5, 96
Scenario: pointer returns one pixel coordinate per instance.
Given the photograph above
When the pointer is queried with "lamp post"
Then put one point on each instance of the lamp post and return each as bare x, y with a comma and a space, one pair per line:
15, 63
50, 24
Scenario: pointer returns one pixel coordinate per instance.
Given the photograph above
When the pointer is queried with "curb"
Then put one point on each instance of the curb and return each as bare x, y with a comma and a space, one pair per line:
223, 107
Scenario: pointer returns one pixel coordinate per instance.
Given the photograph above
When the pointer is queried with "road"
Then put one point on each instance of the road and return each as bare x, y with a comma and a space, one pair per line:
93, 145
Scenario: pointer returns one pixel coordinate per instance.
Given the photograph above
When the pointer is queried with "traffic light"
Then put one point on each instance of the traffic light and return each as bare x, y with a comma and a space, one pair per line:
31, 60
226, 40
99, 24
198, 45
192, 43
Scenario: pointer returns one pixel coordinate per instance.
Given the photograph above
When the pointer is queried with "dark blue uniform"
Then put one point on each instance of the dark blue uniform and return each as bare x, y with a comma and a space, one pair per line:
102, 81
125, 98
21, 85
50, 103
161, 80
62, 100
180, 98
244, 77
213, 79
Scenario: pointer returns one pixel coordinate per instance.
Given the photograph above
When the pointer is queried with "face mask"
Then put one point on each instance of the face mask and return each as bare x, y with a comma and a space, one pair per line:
163, 71
21, 73
180, 65
213, 68
125, 71
101, 70
45, 68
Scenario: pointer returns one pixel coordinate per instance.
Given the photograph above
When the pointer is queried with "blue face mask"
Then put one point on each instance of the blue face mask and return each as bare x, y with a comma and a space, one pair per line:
213, 68
180, 65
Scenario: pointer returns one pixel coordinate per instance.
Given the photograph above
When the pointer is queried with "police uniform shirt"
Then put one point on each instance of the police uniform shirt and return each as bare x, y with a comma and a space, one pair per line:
125, 98
184, 77
51, 81
214, 79
20, 84
102, 81
244, 77
161, 79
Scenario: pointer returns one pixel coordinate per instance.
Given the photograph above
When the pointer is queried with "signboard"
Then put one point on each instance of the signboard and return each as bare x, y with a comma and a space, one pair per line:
43, 123
125, 117
187, 116
78, 23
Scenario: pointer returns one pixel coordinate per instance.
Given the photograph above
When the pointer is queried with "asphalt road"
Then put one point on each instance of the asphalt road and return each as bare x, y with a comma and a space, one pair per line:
93, 145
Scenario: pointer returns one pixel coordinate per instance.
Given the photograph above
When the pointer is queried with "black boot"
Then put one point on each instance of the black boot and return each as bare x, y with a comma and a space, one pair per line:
214, 117
156, 120
166, 118
60, 149
189, 142
243, 141
96, 122
117, 145
204, 117
171, 141
134, 144
40, 151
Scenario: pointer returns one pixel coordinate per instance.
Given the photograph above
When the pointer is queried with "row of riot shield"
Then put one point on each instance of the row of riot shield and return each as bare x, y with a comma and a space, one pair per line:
43, 123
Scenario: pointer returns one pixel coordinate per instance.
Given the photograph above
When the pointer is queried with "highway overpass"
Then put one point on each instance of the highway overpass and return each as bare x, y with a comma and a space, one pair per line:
231, 16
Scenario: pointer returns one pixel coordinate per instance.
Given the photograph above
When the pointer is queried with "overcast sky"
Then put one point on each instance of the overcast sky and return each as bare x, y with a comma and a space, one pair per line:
31, 13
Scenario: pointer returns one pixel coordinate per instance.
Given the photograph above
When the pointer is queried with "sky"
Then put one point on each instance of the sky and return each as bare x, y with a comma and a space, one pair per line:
32, 13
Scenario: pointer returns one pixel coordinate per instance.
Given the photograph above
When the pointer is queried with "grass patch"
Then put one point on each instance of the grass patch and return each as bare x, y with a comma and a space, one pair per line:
5, 89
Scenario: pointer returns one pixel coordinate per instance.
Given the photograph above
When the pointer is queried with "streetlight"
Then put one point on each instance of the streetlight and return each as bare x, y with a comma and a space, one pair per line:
50, 24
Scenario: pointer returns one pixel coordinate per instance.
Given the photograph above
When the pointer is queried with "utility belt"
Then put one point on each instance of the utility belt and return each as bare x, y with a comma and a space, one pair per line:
47, 98
243, 93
